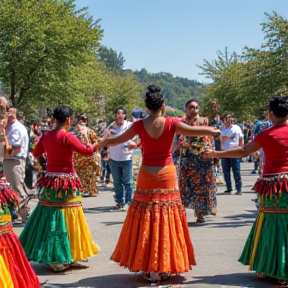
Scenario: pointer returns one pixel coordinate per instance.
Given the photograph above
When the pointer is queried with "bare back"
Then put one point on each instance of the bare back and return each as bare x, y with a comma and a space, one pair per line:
154, 128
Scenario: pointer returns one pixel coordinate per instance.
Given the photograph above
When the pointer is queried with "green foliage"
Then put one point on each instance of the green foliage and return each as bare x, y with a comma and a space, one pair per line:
243, 83
125, 92
113, 61
41, 43
176, 90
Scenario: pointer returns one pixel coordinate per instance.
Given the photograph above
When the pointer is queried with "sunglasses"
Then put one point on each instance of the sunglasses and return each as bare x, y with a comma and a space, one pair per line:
194, 107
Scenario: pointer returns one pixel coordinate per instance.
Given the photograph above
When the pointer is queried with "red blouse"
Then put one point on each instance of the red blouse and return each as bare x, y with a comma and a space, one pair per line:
59, 147
274, 141
157, 152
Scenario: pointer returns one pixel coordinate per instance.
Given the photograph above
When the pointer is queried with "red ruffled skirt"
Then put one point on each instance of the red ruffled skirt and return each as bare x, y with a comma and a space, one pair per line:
155, 235
15, 270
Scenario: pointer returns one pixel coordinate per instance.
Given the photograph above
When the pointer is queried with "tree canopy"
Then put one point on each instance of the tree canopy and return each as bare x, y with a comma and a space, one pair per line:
41, 43
243, 83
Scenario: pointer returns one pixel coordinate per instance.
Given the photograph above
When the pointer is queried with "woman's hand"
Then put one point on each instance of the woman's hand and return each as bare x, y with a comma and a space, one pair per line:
209, 153
101, 143
95, 146
2, 129
216, 132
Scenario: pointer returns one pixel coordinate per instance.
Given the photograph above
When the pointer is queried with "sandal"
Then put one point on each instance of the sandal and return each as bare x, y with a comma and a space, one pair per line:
77, 265
200, 219
24, 212
153, 277
283, 283
261, 275
58, 267
165, 276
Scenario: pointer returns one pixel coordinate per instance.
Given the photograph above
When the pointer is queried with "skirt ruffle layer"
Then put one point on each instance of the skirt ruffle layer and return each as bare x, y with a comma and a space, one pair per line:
272, 185
15, 270
54, 235
7, 195
155, 235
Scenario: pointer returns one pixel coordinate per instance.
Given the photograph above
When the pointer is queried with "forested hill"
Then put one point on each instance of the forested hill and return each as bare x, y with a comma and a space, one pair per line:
176, 90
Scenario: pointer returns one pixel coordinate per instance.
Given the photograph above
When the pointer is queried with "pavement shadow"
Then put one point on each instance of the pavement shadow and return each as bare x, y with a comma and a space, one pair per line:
236, 279
100, 209
222, 224
231, 224
237, 220
250, 215
105, 188
111, 223
233, 193
131, 280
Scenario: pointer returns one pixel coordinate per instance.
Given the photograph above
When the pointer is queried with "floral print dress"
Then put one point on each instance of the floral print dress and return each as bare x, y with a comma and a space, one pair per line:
196, 178
87, 168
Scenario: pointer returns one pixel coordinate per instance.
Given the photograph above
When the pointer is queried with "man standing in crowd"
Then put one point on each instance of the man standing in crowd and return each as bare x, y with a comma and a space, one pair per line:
231, 137
14, 163
121, 160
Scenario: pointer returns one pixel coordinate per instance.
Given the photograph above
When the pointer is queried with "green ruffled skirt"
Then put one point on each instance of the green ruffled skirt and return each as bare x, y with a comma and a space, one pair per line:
56, 232
266, 249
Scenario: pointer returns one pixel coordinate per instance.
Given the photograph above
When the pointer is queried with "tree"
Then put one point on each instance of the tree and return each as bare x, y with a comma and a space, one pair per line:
113, 61
41, 42
124, 92
243, 83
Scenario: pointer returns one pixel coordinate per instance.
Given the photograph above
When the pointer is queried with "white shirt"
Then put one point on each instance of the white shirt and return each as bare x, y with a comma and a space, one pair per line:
18, 137
120, 152
235, 133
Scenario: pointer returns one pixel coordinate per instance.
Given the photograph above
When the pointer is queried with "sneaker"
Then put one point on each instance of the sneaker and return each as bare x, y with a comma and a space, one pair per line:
254, 172
120, 207
228, 192
238, 193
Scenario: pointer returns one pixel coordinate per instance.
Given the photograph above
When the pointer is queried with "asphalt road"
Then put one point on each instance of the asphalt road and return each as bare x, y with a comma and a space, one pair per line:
217, 244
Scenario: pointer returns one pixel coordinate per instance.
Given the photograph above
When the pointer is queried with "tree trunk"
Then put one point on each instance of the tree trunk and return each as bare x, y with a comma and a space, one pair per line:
13, 88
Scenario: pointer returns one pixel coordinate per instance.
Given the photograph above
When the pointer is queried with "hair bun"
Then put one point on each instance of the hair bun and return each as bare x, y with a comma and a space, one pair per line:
154, 88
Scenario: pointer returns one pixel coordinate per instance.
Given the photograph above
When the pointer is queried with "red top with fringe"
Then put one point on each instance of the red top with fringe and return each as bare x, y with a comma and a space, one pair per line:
59, 147
274, 141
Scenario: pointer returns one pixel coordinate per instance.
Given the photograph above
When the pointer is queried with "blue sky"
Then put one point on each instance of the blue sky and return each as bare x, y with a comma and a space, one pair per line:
174, 35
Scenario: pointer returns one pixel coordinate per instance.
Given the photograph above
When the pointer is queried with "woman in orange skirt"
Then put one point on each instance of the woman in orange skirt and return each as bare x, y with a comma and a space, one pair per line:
155, 237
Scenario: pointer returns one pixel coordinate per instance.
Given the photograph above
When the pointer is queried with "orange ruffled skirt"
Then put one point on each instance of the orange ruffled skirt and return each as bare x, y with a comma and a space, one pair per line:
155, 235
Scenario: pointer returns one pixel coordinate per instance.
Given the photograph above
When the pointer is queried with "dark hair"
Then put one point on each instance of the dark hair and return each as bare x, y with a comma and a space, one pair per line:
62, 112
83, 117
19, 115
191, 100
279, 106
120, 109
153, 97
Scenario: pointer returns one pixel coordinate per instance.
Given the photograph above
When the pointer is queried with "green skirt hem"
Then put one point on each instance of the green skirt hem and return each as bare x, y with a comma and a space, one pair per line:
45, 236
266, 248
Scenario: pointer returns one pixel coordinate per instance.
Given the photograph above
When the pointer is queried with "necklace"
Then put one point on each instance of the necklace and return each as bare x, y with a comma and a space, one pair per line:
156, 123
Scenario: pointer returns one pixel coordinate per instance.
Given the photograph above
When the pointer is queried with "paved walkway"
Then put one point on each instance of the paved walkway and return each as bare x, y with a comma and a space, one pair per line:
217, 245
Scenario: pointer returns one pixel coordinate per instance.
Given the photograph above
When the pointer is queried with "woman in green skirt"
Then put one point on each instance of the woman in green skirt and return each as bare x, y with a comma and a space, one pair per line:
56, 233
266, 249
